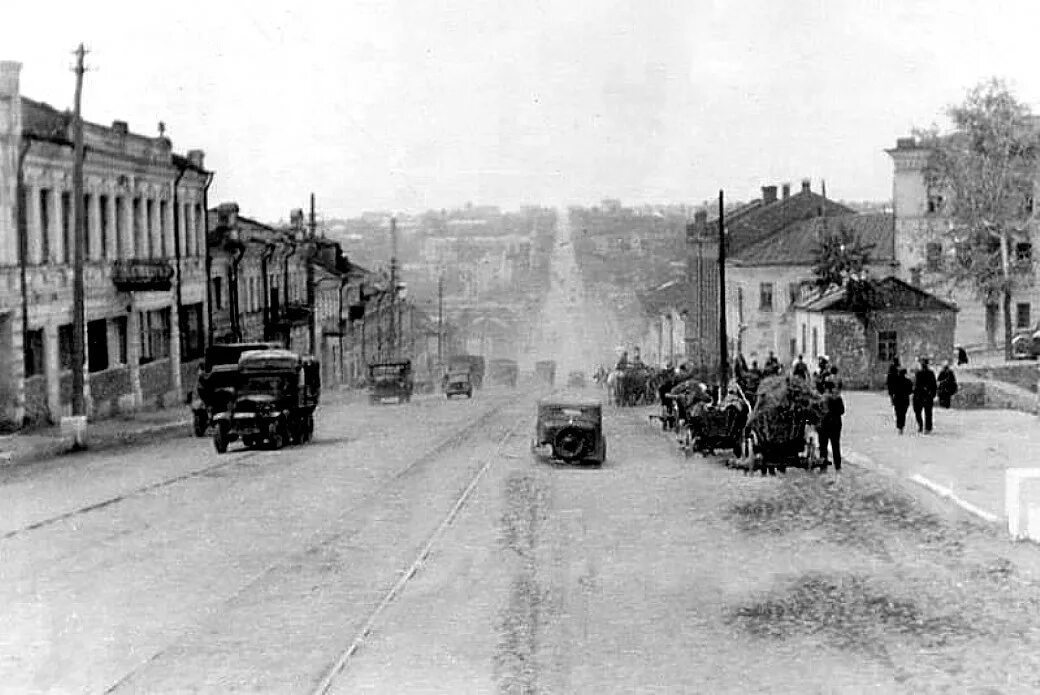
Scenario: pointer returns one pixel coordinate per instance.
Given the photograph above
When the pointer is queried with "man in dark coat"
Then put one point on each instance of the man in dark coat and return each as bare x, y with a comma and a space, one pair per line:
946, 385
830, 426
924, 396
772, 365
800, 369
900, 389
893, 376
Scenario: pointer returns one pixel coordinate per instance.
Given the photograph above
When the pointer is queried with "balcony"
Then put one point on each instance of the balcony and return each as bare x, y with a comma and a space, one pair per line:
137, 275
294, 314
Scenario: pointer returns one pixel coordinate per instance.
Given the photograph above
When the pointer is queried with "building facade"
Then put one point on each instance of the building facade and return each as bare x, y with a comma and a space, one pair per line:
144, 271
925, 246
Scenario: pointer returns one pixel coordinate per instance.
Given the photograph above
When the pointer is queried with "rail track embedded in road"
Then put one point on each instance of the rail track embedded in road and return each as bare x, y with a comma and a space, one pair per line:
454, 439
341, 663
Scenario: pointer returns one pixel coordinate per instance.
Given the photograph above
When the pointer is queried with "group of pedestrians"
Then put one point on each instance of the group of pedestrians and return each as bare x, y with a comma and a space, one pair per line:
920, 392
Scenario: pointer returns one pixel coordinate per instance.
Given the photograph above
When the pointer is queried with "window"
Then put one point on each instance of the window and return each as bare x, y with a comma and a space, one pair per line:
119, 330
1022, 317
198, 230
740, 304
65, 346
935, 204
805, 343
33, 350
162, 229
45, 225
765, 294
155, 335
189, 244
218, 292
915, 277
933, 256
1023, 252
191, 332
105, 225
120, 225
139, 245
963, 253
66, 227
887, 346
794, 291
97, 345
815, 343
86, 225
149, 211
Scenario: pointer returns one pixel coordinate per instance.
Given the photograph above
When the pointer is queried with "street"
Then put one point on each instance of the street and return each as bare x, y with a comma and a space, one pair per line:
263, 571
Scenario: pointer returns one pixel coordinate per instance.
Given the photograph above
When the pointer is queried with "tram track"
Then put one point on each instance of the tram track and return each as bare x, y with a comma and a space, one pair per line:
349, 526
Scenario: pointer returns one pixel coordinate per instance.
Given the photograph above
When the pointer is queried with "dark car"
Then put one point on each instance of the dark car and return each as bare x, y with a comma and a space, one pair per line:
576, 380
1026, 344
570, 430
275, 398
458, 384
390, 382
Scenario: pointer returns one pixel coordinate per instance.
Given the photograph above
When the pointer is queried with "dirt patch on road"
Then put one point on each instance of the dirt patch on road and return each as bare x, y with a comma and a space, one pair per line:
850, 510
526, 510
851, 612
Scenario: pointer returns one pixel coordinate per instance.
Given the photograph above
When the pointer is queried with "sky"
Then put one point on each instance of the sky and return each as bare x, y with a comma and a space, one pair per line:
406, 105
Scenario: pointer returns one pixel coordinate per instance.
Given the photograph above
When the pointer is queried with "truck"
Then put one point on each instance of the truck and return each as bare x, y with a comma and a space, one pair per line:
474, 364
502, 372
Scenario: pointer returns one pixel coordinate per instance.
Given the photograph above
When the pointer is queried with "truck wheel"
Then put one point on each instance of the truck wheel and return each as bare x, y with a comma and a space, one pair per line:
200, 422
220, 439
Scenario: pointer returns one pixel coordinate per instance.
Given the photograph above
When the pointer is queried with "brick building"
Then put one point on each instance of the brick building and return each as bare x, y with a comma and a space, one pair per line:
861, 333
144, 273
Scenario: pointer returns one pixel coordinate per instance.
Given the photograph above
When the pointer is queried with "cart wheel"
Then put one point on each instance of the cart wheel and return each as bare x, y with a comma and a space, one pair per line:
220, 439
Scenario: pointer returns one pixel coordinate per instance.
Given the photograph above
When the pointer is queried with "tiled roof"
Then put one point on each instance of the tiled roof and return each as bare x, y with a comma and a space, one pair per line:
797, 243
889, 293
753, 225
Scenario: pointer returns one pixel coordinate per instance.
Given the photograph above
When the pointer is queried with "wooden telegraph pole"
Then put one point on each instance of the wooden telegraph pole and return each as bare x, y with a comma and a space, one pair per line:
78, 300
393, 288
440, 321
723, 342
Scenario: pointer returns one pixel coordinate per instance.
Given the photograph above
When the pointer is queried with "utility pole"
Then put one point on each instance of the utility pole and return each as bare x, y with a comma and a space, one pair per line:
440, 322
78, 324
393, 288
723, 343
312, 224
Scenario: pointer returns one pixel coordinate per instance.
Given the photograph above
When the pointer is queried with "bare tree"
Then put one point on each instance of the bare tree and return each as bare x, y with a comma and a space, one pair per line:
981, 176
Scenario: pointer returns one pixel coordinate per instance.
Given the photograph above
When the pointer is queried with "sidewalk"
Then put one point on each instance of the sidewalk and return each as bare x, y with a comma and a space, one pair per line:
967, 453
46, 442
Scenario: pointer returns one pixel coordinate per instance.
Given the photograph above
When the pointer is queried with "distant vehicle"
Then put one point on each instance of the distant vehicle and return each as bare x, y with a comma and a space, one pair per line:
474, 364
1026, 344
570, 431
276, 395
218, 377
458, 384
503, 372
390, 382
545, 371
576, 379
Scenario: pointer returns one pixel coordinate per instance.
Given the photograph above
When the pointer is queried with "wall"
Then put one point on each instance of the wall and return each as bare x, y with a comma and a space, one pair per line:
156, 381
1023, 375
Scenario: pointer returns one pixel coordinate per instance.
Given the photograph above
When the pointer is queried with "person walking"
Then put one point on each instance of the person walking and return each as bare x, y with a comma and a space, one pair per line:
892, 378
800, 369
924, 396
946, 385
900, 389
830, 426
772, 366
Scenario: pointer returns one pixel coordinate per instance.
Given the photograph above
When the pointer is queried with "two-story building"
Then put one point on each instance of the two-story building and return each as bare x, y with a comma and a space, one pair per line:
925, 246
144, 269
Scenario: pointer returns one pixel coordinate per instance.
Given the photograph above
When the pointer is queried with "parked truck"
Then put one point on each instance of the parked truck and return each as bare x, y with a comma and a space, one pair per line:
474, 364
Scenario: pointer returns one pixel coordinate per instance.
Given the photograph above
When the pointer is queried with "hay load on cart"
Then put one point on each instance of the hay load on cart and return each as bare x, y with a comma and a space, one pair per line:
781, 431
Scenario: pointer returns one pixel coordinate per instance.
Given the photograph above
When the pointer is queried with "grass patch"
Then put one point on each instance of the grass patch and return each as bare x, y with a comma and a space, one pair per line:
849, 613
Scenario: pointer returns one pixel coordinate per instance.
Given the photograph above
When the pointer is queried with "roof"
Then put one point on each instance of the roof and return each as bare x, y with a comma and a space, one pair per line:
756, 224
797, 243
890, 294
671, 294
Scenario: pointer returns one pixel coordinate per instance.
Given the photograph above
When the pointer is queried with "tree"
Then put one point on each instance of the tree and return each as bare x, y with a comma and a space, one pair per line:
839, 257
981, 176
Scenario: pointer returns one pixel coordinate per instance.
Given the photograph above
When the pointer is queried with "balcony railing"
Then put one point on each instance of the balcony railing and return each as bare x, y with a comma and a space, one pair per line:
295, 314
138, 275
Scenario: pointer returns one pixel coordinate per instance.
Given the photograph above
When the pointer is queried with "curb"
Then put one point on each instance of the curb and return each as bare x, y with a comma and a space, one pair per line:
866, 462
59, 447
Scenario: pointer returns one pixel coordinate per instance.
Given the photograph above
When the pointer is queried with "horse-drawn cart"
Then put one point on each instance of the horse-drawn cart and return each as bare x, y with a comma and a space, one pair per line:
781, 432
709, 426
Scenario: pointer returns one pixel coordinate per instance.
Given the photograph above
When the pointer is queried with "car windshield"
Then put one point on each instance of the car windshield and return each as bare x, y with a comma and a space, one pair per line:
270, 384
387, 371
570, 411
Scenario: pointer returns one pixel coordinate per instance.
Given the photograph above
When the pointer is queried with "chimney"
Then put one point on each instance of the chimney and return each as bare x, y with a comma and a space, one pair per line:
227, 215
296, 219
10, 71
768, 194
787, 191
906, 143
120, 127
805, 186
197, 158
